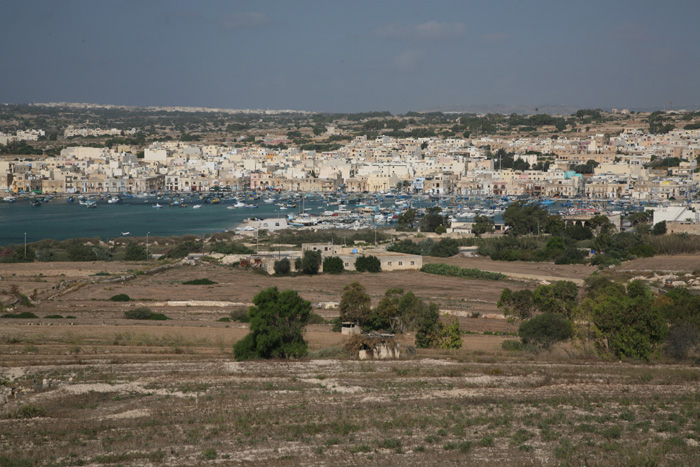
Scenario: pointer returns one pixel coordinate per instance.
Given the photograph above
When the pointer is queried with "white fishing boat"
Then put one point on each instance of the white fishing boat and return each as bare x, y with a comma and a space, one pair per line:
9, 199
196, 206
157, 206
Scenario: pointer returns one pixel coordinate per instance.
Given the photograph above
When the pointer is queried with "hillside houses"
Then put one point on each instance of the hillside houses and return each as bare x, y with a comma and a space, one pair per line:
628, 167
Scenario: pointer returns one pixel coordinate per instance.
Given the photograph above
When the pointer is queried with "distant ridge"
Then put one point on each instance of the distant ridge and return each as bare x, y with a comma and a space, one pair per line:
78, 105
508, 109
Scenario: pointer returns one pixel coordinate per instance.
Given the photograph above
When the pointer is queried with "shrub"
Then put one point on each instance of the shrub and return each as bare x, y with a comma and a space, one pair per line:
230, 248
28, 411
546, 329
145, 314
45, 255
368, 264
406, 246
674, 244
183, 249
680, 340
445, 248
456, 271
240, 315
53, 317
23, 315
440, 229
203, 281
79, 252
315, 318
282, 266
122, 297
333, 265
512, 346
135, 252
451, 336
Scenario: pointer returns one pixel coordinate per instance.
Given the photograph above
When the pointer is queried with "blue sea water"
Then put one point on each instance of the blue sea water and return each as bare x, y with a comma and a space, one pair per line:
60, 220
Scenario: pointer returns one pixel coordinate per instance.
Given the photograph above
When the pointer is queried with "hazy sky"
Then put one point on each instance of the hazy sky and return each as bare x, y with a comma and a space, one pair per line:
352, 55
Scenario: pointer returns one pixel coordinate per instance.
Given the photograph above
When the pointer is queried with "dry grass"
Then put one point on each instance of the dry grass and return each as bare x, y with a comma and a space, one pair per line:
420, 411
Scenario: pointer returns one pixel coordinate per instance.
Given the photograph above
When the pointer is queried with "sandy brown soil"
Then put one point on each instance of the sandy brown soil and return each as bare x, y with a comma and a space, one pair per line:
236, 288
675, 263
435, 409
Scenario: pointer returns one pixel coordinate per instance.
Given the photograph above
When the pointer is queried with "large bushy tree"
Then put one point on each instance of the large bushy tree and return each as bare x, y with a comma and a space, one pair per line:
355, 304
277, 321
311, 262
546, 329
333, 265
631, 326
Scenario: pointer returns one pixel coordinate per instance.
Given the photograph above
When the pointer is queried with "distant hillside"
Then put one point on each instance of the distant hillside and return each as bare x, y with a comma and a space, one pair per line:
508, 109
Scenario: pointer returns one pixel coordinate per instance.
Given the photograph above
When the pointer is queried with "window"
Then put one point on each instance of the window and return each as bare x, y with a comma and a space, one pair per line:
400, 263
389, 263
412, 263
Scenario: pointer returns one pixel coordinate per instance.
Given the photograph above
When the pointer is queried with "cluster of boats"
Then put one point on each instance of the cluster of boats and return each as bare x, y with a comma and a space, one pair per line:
358, 210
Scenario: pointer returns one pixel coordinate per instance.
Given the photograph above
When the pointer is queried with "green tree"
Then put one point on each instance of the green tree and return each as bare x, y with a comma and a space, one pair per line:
407, 219
282, 266
482, 225
560, 297
659, 228
432, 220
355, 304
311, 262
386, 315
79, 252
451, 336
135, 252
446, 247
407, 246
525, 219
546, 329
333, 265
277, 321
631, 326
601, 224
518, 303
428, 329
411, 310
368, 264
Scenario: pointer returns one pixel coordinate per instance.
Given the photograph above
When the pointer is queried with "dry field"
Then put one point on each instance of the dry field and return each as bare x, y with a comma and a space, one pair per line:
125, 392
434, 409
202, 305
662, 263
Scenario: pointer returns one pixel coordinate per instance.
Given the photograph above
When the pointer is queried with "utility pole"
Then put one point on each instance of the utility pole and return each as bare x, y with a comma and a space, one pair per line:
147, 234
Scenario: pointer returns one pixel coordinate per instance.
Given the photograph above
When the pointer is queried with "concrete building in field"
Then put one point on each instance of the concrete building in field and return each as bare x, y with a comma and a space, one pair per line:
390, 260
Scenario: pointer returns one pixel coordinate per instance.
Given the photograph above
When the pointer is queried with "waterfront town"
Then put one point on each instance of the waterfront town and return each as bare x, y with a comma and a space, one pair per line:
628, 164
623, 167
